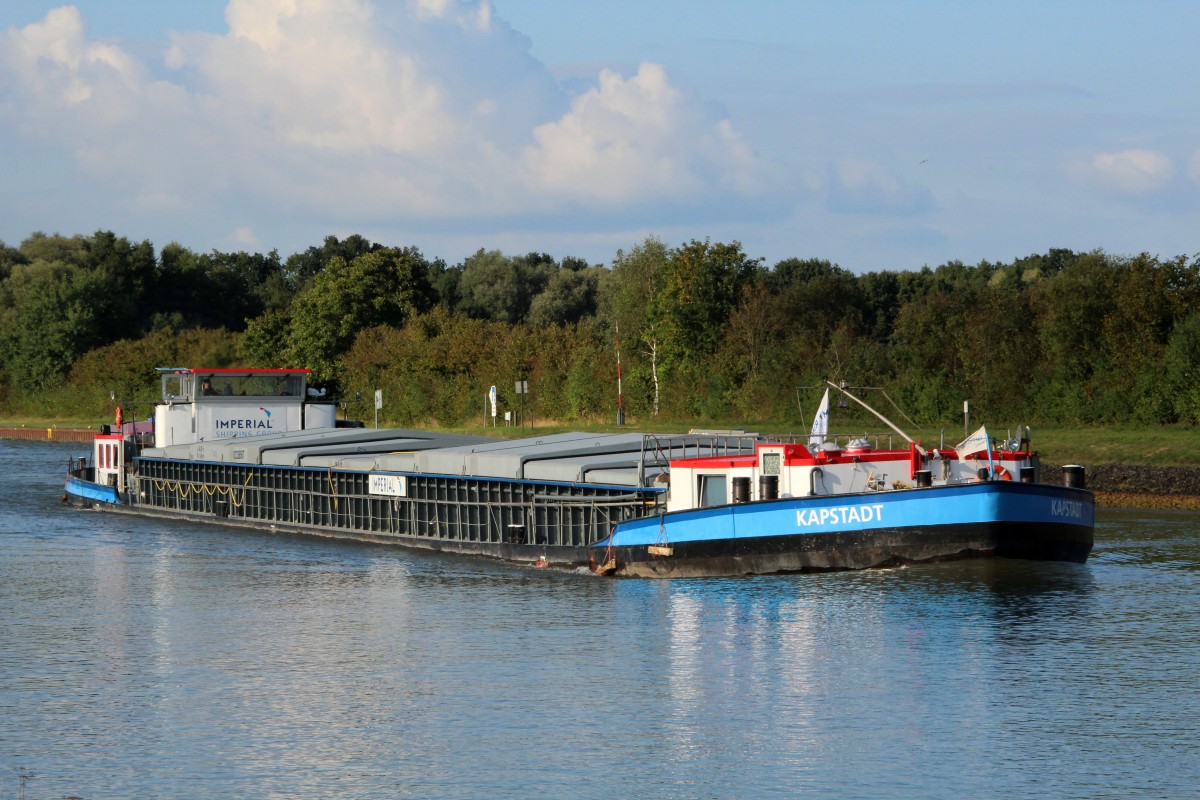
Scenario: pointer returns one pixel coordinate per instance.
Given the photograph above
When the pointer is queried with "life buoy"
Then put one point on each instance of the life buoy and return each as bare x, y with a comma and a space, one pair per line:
1002, 474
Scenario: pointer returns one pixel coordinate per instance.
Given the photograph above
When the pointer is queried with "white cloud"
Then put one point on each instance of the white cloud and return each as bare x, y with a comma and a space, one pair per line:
56, 62
318, 74
637, 139
245, 237
479, 16
860, 186
56, 67
345, 109
1134, 172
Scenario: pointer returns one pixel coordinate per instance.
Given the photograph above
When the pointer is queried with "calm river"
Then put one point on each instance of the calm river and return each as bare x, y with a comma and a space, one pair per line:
143, 659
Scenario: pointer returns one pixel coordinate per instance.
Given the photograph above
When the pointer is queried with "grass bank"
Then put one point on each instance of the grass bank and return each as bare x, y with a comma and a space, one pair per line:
1154, 447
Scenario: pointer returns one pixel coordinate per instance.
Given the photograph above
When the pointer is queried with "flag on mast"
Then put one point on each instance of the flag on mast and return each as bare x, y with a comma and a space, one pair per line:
820, 423
976, 442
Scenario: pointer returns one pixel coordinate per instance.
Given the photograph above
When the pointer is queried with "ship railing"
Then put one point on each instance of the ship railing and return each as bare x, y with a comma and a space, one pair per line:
659, 450
876, 441
79, 468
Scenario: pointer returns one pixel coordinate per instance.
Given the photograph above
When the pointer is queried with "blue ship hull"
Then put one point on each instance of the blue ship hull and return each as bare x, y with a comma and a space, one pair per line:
809, 534
857, 531
82, 492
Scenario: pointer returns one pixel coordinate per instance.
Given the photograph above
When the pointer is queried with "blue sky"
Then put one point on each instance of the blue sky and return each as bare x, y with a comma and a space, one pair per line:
878, 135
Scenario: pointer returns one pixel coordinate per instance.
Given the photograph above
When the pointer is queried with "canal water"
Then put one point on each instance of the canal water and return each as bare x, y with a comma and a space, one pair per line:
144, 659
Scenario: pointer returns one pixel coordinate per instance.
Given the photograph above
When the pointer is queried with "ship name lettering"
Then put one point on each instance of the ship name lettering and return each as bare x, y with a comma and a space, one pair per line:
1066, 508
839, 515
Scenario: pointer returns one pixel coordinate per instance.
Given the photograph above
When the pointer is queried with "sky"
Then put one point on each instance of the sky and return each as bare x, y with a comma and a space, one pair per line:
879, 135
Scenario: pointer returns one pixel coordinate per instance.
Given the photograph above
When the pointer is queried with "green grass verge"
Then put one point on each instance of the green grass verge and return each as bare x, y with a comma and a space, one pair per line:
1155, 447
38, 422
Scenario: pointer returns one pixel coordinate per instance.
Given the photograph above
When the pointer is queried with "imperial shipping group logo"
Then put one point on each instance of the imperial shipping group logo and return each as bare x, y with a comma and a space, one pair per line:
242, 425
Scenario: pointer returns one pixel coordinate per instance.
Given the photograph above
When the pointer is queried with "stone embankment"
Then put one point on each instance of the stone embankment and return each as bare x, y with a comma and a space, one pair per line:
1133, 486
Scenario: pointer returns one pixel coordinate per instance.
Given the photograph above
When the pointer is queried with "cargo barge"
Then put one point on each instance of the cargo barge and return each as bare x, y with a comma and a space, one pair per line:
252, 448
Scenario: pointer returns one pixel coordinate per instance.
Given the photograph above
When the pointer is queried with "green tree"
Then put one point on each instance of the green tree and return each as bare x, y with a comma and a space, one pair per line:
444, 279
569, 297
123, 275
301, 268
126, 369
383, 287
266, 338
64, 296
701, 287
1181, 378
54, 249
211, 290
47, 320
753, 340
816, 297
1070, 309
489, 287
998, 349
9, 258
629, 299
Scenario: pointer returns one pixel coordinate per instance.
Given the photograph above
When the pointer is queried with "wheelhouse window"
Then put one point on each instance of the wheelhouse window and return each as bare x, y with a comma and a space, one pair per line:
251, 385
713, 491
176, 388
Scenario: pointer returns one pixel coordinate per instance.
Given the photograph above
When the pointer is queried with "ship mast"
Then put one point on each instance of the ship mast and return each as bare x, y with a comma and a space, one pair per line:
881, 417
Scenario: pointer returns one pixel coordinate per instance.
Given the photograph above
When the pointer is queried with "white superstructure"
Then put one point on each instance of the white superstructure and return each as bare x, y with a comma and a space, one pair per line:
200, 405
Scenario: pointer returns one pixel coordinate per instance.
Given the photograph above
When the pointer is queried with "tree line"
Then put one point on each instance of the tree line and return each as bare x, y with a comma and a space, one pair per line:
704, 332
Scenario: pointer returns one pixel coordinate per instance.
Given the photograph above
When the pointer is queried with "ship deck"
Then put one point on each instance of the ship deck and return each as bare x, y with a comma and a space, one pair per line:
476, 493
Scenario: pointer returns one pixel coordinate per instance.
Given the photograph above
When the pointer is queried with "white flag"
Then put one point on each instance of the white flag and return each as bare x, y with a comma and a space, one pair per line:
977, 442
820, 423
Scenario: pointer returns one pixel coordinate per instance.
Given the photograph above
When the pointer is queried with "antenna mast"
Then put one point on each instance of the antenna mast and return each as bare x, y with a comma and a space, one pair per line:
881, 417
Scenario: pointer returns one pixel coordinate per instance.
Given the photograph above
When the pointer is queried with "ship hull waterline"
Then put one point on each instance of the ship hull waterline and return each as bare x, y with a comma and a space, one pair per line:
859, 531
856, 550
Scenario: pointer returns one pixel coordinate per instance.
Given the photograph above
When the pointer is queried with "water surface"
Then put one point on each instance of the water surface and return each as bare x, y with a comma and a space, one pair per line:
142, 658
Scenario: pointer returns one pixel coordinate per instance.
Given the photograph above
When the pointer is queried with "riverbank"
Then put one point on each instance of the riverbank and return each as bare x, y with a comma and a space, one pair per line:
51, 434
1134, 486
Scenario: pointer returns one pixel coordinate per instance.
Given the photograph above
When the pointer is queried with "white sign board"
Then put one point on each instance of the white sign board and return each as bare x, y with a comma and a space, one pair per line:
226, 420
492, 398
390, 485
378, 399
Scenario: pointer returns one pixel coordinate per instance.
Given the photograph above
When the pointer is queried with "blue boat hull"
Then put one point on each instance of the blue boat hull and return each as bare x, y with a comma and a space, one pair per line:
81, 492
809, 534
857, 531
